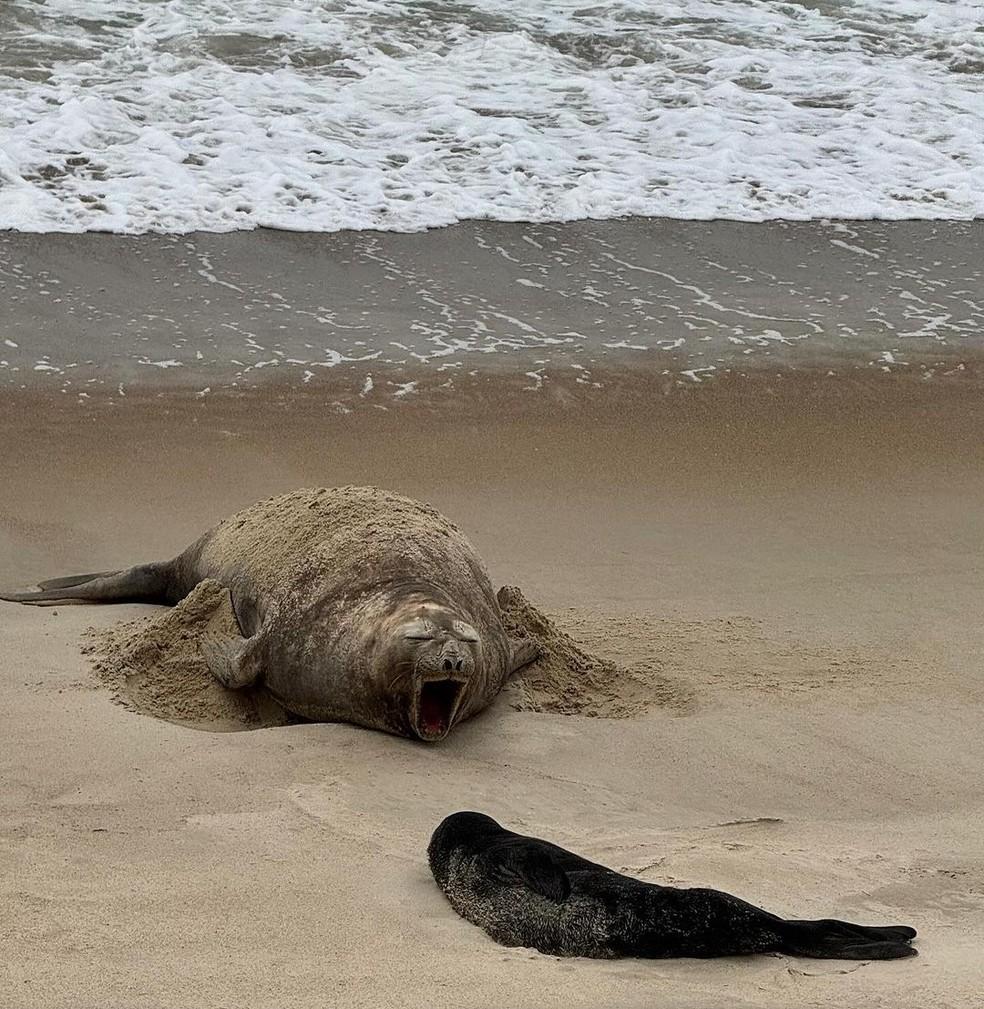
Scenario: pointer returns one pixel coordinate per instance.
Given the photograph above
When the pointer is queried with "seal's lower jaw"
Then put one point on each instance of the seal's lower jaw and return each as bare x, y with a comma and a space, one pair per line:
435, 708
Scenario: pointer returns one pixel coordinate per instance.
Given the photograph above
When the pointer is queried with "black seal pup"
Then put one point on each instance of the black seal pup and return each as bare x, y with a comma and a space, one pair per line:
528, 892
355, 605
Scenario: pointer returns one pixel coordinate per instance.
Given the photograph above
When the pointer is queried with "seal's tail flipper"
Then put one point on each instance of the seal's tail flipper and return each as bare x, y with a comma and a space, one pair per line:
145, 583
72, 580
830, 939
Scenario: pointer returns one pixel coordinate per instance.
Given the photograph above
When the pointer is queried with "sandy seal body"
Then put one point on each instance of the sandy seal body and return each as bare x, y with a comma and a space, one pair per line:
355, 605
526, 892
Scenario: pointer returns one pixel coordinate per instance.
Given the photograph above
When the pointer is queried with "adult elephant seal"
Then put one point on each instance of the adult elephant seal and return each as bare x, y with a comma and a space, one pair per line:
528, 892
355, 605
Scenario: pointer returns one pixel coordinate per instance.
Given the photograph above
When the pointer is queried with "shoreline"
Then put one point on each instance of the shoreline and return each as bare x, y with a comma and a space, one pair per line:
687, 301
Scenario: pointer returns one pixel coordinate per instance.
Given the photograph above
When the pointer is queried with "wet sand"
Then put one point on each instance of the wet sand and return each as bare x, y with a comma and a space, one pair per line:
374, 319
800, 558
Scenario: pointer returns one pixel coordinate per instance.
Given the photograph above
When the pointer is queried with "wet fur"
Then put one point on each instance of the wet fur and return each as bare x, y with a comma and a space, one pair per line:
526, 892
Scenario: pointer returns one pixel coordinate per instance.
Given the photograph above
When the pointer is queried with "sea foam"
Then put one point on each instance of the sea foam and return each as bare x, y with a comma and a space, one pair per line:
317, 115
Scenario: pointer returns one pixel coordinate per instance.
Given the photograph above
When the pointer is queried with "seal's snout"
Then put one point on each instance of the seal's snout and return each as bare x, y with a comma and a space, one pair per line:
448, 658
455, 658
444, 653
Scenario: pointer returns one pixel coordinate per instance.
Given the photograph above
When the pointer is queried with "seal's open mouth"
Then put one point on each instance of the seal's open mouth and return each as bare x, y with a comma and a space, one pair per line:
436, 705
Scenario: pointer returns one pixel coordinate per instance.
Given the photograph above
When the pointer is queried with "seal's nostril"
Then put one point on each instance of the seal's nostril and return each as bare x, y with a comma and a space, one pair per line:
447, 665
458, 665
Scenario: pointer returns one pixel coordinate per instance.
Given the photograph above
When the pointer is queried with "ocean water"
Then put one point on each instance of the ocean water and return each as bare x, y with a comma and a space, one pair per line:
319, 115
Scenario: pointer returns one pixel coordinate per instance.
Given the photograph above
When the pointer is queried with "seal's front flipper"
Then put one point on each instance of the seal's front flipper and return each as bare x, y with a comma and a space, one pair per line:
228, 659
229, 655
530, 867
522, 651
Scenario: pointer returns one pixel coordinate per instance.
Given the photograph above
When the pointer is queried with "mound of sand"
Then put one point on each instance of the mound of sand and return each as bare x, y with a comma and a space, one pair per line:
155, 666
569, 680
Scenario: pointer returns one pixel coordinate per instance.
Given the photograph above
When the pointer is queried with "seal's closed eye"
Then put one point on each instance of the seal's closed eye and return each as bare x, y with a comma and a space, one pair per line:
418, 630
464, 632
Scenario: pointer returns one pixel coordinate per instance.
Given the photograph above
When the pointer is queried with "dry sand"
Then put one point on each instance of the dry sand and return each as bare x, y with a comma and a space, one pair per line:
788, 581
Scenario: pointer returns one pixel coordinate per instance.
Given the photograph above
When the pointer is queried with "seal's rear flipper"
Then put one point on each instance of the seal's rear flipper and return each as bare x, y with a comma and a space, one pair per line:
830, 939
72, 580
145, 583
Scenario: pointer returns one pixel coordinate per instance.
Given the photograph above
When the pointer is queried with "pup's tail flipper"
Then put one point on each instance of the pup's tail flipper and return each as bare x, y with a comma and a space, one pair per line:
146, 583
830, 939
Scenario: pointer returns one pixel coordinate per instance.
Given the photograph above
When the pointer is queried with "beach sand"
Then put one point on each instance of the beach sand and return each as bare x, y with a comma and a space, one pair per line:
793, 563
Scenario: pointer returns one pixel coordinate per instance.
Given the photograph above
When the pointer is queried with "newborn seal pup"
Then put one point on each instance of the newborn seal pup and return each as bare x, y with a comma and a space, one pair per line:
528, 892
355, 605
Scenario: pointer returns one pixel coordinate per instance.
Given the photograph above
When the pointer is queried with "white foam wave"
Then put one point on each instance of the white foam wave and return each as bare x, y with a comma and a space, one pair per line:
318, 115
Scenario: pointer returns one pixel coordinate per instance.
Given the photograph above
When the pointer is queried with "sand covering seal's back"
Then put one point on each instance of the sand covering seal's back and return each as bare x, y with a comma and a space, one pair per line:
338, 532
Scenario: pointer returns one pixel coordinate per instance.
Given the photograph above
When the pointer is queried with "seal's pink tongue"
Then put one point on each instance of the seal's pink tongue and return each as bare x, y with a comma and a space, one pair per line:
436, 705
432, 717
